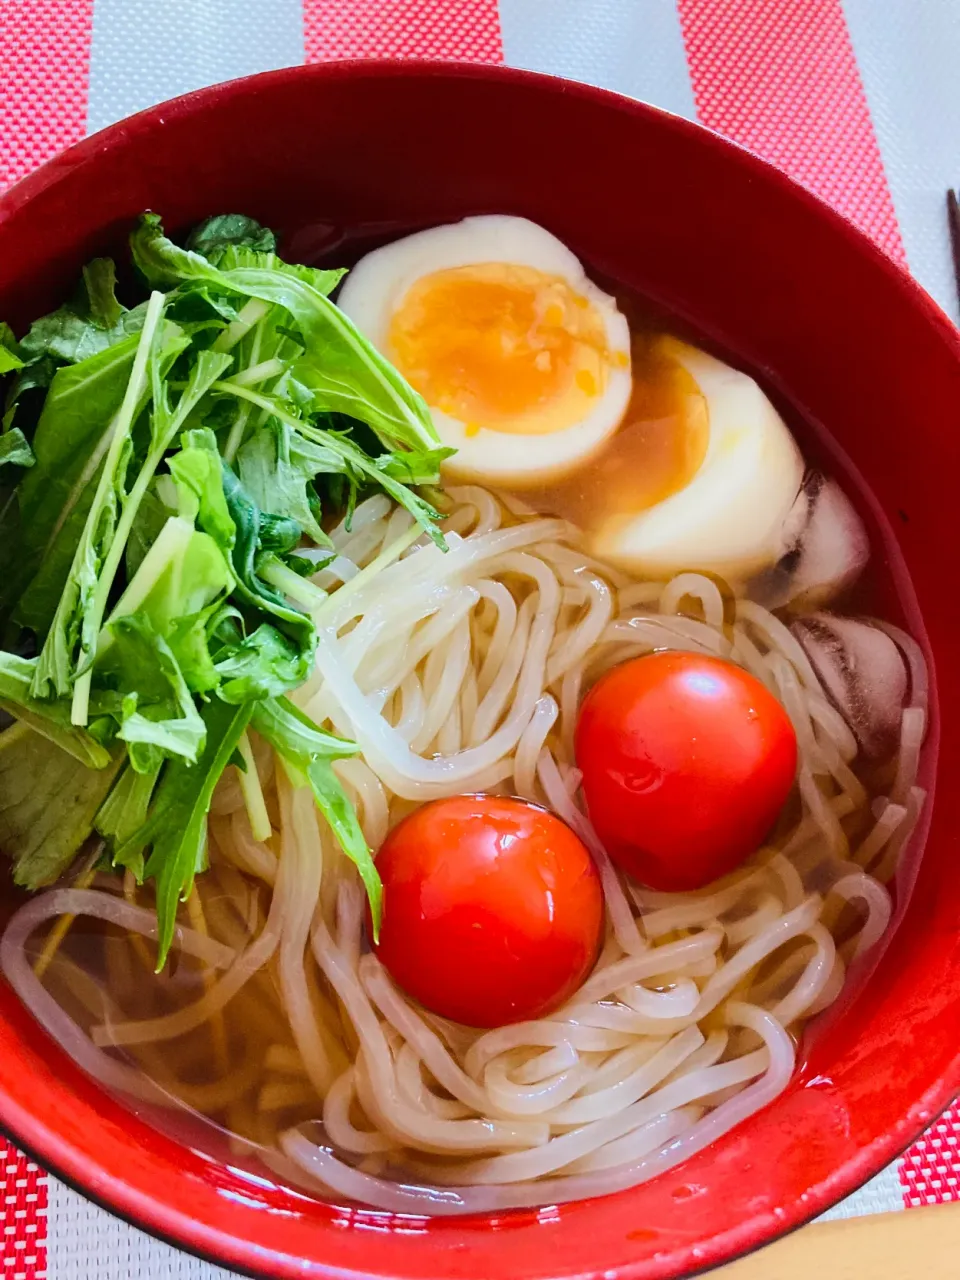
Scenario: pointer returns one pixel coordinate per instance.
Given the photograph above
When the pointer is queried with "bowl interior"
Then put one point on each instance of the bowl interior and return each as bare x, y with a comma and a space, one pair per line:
766, 275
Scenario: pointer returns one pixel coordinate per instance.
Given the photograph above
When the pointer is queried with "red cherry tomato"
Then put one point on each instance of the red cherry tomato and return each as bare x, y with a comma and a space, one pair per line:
492, 909
686, 761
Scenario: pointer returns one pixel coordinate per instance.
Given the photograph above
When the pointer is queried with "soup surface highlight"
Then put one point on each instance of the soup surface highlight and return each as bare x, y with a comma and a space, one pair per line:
649, 1025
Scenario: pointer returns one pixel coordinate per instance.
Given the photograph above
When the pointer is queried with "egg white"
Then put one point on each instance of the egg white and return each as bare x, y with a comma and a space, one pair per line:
378, 284
729, 518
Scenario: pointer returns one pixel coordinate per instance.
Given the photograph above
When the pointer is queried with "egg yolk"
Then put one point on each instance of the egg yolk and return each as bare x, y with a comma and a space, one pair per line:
657, 450
502, 347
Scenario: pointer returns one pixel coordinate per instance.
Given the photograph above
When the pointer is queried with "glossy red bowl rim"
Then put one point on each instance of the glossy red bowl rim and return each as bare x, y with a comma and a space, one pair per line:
107, 1179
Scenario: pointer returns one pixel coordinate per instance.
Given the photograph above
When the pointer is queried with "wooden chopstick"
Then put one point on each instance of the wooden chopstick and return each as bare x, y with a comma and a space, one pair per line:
885, 1246
953, 221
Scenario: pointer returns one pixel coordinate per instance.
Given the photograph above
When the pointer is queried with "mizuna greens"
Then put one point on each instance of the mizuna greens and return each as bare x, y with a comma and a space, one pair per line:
160, 467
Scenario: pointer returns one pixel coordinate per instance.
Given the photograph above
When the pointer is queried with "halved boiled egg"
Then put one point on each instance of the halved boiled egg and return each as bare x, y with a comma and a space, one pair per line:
523, 361
728, 515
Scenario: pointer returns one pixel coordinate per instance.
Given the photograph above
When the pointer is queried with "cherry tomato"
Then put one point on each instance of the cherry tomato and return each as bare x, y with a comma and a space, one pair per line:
492, 909
686, 761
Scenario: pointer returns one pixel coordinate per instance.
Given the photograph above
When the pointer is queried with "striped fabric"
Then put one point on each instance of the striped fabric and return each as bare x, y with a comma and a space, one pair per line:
854, 98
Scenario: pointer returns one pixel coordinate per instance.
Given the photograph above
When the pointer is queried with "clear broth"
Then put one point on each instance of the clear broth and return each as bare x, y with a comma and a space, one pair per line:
665, 426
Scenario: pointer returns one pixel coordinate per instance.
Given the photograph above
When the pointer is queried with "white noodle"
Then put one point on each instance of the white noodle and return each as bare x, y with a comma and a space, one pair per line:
16, 966
465, 671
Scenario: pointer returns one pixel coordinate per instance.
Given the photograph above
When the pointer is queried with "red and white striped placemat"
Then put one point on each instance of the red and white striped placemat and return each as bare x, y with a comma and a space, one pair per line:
855, 98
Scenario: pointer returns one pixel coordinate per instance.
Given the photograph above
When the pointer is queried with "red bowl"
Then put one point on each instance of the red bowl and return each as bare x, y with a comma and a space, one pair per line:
784, 286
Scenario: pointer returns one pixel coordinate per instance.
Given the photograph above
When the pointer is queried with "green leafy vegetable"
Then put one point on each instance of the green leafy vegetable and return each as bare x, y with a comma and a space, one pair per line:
152, 514
48, 801
278, 466
93, 322
321, 279
258, 533
358, 468
50, 719
76, 623
414, 466
212, 236
151, 699
280, 721
309, 750
197, 471
259, 665
353, 378
164, 425
233, 243
176, 829
10, 358
39, 531
124, 812
167, 464
178, 588
344, 372
14, 449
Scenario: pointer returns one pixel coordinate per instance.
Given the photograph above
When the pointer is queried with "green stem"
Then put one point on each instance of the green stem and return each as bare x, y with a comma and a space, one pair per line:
112, 563
378, 564
262, 402
260, 826
252, 313
298, 779
255, 373
291, 584
235, 439
121, 433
